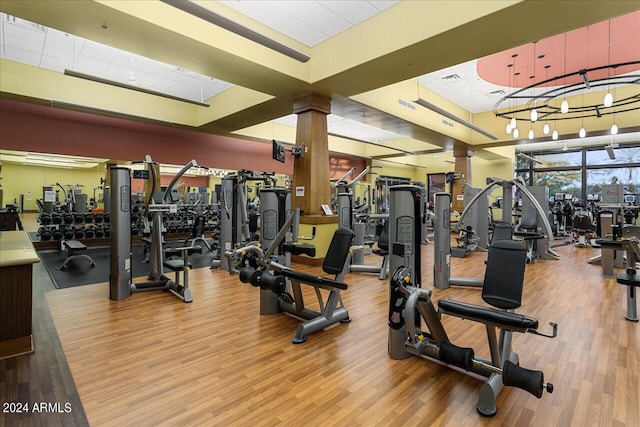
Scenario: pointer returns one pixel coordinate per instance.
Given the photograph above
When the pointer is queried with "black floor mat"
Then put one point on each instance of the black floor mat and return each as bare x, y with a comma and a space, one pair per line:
79, 271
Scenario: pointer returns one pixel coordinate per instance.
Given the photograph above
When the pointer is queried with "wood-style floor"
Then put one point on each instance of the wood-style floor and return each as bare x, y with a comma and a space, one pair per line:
152, 360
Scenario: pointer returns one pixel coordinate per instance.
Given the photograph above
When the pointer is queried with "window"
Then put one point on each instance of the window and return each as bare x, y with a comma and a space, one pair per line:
565, 182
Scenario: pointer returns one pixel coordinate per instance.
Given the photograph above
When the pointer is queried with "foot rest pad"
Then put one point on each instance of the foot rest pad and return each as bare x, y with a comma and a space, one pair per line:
462, 357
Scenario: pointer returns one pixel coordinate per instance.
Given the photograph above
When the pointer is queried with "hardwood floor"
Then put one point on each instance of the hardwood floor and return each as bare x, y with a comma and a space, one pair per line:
153, 360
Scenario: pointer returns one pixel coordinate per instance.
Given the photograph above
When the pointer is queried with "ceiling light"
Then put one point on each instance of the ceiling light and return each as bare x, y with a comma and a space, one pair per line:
531, 134
229, 25
582, 133
435, 108
534, 115
508, 129
546, 129
614, 129
564, 106
516, 133
608, 100
554, 135
96, 79
513, 123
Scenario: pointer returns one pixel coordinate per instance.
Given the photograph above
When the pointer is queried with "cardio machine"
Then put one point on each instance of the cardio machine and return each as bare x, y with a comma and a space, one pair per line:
410, 306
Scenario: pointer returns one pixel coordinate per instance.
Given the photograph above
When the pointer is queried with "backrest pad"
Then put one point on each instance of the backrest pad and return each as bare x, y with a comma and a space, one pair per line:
504, 276
338, 251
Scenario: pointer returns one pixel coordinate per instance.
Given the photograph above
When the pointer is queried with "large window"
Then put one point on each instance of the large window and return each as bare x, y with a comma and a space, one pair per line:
565, 182
582, 172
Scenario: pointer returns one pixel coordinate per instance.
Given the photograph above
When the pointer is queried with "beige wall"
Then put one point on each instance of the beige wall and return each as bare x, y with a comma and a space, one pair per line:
29, 180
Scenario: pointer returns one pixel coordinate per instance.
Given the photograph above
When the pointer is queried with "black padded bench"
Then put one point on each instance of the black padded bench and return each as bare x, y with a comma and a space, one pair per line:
502, 319
313, 280
178, 264
73, 247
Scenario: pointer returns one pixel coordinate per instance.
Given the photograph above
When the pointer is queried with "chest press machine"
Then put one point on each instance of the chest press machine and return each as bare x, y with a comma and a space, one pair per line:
281, 286
409, 305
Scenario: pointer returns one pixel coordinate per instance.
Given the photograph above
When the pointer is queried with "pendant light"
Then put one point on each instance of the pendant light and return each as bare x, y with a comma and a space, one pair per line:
564, 105
608, 97
546, 128
554, 135
534, 111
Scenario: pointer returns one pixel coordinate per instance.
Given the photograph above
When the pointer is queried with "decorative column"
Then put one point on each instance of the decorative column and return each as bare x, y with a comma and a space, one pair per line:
311, 187
311, 170
462, 154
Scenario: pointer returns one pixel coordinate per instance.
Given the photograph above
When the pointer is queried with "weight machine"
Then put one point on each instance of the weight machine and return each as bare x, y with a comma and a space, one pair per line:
120, 280
233, 214
280, 285
409, 305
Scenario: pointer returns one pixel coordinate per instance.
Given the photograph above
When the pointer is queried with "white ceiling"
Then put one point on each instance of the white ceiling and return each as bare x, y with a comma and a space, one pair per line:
33, 44
310, 21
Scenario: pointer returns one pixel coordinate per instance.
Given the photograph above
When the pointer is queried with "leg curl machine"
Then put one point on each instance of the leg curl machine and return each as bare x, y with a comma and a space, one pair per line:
410, 304
280, 285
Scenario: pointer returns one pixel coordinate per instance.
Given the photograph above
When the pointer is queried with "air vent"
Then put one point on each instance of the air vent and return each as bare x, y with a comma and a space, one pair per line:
406, 104
451, 77
447, 123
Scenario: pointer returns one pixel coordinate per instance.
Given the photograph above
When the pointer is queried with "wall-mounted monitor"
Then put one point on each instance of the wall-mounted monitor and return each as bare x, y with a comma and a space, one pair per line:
278, 151
629, 198
141, 174
559, 197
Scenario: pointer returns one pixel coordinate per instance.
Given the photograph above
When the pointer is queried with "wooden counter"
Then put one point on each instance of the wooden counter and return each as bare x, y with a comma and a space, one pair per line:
17, 257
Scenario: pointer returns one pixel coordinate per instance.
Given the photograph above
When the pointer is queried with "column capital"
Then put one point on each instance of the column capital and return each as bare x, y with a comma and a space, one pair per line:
312, 101
460, 149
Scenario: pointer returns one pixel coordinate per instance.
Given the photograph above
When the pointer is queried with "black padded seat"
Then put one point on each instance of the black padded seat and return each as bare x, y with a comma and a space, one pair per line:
178, 264
312, 279
502, 231
73, 247
503, 319
610, 244
628, 279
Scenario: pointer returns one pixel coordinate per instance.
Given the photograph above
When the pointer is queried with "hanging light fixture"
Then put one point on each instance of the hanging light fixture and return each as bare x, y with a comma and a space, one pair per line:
582, 132
516, 133
546, 128
564, 105
509, 127
534, 112
513, 122
554, 135
608, 97
531, 134
614, 129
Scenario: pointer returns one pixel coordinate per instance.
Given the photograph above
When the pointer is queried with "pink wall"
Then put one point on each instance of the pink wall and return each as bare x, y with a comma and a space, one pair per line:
43, 129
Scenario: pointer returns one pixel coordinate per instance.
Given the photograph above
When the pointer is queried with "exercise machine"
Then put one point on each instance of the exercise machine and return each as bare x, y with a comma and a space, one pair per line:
120, 280
630, 279
280, 285
543, 249
233, 215
410, 305
348, 218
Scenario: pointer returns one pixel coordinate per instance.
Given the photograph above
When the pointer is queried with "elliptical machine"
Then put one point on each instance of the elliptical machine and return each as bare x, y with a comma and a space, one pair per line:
409, 305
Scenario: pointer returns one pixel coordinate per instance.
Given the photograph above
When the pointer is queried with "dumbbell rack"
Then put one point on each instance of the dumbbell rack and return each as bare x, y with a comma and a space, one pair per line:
94, 228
